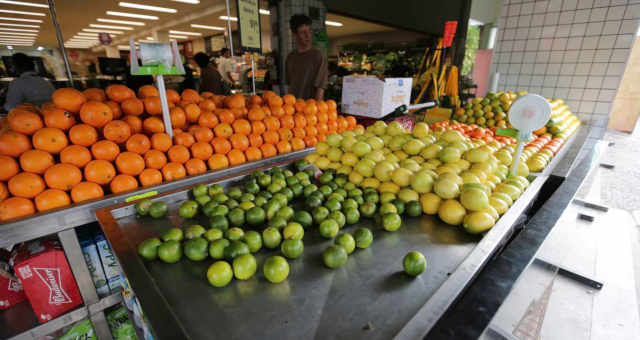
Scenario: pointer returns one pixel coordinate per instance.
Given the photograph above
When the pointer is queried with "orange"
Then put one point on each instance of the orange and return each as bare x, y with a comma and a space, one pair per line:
36, 161
105, 150
138, 143
178, 154
310, 140
278, 112
117, 131
84, 191
297, 143
342, 124
236, 157
195, 166
289, 99
272, 123
201, 150
283, 146
10, 167
153, 125
240, 142
115, 109
255, 140
58, 118
4, 192
221, 145
253, 154
285, 134
23, 121
208, 119
266, 110
323, 117
26, 184
331, 105
311, 130
300, 105
255, 100
223, 130
51, 199
256, 113
207, 95
322, 106
173, 171
218, 161
242, 126
225, 116
299, 120
351, 122
122, 183
322, 128
132, 106
172, 96
183, 138
130, 163
96, 114
134, 122
268, 150
275, 101
235, 101
332, 115
155, 159
148, 91
119, 93
267, 94
322, 137
161, 141
258, 127
287, 122
299, 132
152, 105
289, 109
203, 134
68, 99
77, 155
271, 137
191, 96
51, 140
149, 177
99, 171
95, 94
207, 105
311, 119
83, 134
15, 207
13, 143
332, 126
178, 118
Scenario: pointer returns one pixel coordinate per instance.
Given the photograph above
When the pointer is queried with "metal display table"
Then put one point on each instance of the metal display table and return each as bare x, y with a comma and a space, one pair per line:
368, 297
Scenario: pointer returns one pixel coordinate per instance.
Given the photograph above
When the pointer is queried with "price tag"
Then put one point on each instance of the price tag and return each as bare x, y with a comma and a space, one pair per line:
141, 196
513, 133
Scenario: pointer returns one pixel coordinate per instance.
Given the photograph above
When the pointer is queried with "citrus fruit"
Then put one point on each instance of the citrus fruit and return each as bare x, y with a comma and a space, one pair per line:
413, 208
170, 251
199, 190
213, 234
158, 209
217, 247
292, 248
451, 212
235, 249
236, 217
347, 241
148, 249
352, 215
293, 231
391, 221
188, 209
278, 223
194, 231
414, 263
368, 209
195, 249
219, 222
339, 217
219, 274
400, 205
234, 234
287, 213
253, 240
478, 222
474, 199
173, 234
255, 216
430, 203
244, 266
320, 214
304, 218
334, 256
386, 208
275, 269
142, 207
329, 228
271, 237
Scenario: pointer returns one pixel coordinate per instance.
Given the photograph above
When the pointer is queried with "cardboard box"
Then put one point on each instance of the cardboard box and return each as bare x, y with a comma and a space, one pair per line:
109, 262
372, 97
11, 292
92, 258
46, 278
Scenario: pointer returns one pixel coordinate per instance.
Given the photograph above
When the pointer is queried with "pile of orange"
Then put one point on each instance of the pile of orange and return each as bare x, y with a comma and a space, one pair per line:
84, 145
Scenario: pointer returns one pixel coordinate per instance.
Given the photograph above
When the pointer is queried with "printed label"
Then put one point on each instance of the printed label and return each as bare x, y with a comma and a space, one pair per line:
25, 272
51, 278
14, 285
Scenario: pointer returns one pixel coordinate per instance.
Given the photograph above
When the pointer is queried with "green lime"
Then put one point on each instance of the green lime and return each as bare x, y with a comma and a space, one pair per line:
170, 251
346, 240
219, 274
279, 182
194, 231
359, 199
329, 228
342, 193
264, 181
247, 197
309, 189
202, 200
414, 208
368, 209
275, 170
291, 180
302, 175
220, 197
234, 192
278, 222
288, 193
188, 209
333, 186
325, 178
300, 164
363, 237
276, 269
244, 266
232, 204
334, 256
252, 187
274, 187
291, 248
173, 234
281, 198
158, 209
339, 217
234, 234
352, 215
199, 190
246, 205
387, 197
318, 195
293, 230
313, 202
341, 181
414, 263
400, 206
286, 213
208, 208
213, 234
349, 203
386, 208
320, 214
196, 249
372, 197
217, 247
219, 209
235, 249
272, 207
297, 189
256, 216
309, 172
148, 249
143, 206
216, 189
265, 194
219, 222
325, 190
271, 237
260, 201
253, 240
391, 221
304, 218
333, 204
348, 187
236, 217
287, 173
355, 192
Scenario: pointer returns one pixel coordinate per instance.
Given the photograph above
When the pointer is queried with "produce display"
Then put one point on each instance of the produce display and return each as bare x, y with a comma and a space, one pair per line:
84, 145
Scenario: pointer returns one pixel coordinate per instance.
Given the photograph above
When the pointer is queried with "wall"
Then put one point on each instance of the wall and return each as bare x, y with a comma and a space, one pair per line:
571, 49
390, 37
626, 107
486, 11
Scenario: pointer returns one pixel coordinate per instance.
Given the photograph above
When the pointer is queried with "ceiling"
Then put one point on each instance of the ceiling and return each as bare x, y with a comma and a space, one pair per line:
75, 16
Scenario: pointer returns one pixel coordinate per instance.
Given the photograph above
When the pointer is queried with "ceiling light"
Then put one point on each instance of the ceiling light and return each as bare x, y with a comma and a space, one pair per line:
215, 28
147, 7
194, 2
40, 48
87, 34
17, 33
22, 3
124, 47
18, 25
150, 38
21, 19
184, 33
332, 23
178, 36
101, 31
30, 42
224, 17
10, 47
22, 12
132, 15
474, 22
126, 28
265, 11
123, 22
18, 30
77, 47
83, 39
10, 37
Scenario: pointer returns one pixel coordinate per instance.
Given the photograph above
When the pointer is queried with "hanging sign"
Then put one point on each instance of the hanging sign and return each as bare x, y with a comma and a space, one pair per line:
249, 25
527, 114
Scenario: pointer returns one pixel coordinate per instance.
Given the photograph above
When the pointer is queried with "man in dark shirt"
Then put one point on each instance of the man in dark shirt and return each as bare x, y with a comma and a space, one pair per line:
210, 78
306, 67
29, 87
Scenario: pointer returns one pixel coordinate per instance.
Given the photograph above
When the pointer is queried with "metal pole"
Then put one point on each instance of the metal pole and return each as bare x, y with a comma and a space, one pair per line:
253, 72
229, 28
54, 19
166, 117
281, 46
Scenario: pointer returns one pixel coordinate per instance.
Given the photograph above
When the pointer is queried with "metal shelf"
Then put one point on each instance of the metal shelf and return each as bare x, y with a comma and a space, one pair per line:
47, 223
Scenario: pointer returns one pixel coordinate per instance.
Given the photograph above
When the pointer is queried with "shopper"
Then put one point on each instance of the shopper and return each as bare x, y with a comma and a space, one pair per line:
306, 67
210, 78
29, 87
226, 65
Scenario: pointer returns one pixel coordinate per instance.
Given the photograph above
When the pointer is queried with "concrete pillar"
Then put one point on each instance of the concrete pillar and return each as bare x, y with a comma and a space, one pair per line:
161, 36
487, 36
112, 51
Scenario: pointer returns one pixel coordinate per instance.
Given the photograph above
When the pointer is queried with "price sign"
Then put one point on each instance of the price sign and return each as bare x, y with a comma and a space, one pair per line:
249, 25
527, 114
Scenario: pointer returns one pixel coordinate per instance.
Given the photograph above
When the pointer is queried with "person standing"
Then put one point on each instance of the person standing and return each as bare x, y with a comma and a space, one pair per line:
29, 87
210, 78
306, 67
226, 65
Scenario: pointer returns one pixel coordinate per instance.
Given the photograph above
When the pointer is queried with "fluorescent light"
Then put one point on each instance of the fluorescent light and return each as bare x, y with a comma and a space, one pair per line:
124, 47
224, 17
101, 31
332, 23
147, 7
474, 22
22, 12
215, 28
126, 28
123, 22
18, 30
18, 25
40, 48
83, 39
132, 15
8, 37
16, 42
178, 36
184, 33
22, 3
265, 11
87, 34
16, 39
78, 47
17, 33
21, 19
193, 2
150, 38
10, 47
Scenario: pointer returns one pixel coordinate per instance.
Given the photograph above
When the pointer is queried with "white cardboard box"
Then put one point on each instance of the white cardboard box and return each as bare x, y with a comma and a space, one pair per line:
372, 97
